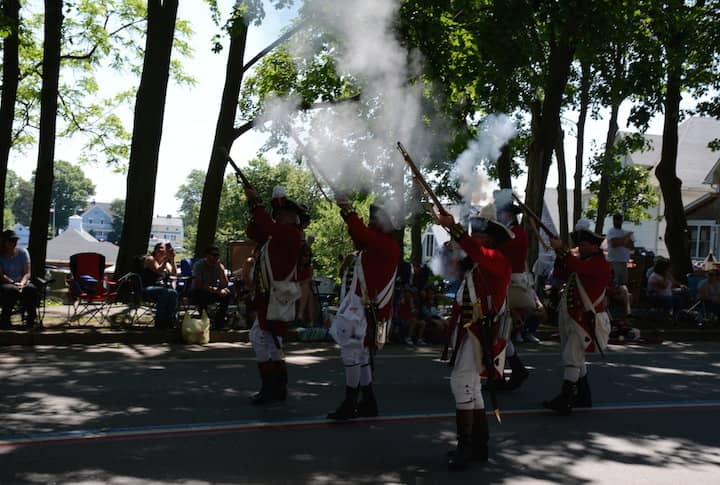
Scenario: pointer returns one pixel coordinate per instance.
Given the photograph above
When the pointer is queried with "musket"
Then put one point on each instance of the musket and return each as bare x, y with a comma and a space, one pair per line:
486, 343
372, 313
590, 319
241, 178
421, 180
534, 217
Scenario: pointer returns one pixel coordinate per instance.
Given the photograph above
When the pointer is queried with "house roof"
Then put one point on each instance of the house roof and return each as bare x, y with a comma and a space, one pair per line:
706, 207
695, 160
167, 221
72, 241
103, 206
713, 176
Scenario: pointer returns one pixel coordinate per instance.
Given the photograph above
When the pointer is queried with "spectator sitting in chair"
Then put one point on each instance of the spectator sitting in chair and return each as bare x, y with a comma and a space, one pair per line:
210, 285
709, 292
660, 288
15, 279
157, 268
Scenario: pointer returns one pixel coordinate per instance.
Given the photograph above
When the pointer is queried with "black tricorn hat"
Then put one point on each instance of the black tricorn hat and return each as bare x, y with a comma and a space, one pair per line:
583, 232
280, 201
9, 235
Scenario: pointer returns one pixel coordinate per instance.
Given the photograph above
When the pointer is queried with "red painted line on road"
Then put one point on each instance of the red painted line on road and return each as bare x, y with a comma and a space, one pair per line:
156, 432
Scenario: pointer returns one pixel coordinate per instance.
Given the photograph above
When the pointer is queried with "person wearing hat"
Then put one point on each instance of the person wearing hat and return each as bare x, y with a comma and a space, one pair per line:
364, 312
280, 240
481, 294
15, 279
582, 320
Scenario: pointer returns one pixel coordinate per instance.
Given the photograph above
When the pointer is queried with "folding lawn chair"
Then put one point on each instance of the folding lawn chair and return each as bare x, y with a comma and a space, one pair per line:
89, 290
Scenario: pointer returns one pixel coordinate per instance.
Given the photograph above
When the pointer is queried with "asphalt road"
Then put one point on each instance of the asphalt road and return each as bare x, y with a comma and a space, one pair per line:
169, 414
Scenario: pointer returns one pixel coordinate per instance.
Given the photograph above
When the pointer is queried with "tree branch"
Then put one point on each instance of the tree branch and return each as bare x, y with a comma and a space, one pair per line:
274, 44
242, 129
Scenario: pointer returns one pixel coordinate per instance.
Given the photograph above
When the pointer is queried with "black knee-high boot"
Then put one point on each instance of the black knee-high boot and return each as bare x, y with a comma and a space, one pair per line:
563, 402
367, 407
347, 408
584, 397
480, 435
268, 379
282, 380
464, 452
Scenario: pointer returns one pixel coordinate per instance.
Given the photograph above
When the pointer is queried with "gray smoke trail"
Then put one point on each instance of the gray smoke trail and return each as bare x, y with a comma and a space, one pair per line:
354, 143
494, 132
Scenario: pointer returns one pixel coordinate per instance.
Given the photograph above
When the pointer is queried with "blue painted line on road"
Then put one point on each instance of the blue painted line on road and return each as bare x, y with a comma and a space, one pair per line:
125, 433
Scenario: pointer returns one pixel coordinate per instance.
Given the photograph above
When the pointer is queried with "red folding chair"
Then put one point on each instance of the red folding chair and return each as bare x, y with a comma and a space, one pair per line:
90, 291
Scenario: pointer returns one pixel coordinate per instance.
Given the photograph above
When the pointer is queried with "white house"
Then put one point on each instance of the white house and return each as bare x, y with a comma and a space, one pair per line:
167, 228
76, 240
698, 168
97, 220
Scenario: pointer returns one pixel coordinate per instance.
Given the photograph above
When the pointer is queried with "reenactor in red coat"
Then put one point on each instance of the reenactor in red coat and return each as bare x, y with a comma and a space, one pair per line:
276, 290
479, 328
363, 318
582, 320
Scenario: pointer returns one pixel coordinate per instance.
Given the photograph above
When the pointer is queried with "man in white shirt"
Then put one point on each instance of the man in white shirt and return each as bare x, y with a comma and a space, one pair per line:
620, 244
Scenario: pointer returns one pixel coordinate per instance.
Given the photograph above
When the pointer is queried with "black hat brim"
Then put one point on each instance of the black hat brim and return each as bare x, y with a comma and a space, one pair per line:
498, 231
585, 235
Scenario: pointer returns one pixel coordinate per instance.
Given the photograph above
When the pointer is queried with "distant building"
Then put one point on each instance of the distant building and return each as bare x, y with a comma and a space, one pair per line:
76, 240
167, 228
97, 219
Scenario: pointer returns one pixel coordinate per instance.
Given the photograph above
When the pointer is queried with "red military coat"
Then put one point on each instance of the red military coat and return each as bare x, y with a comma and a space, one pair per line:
595, 275
491, 278
516, 249
380, 258
284, 251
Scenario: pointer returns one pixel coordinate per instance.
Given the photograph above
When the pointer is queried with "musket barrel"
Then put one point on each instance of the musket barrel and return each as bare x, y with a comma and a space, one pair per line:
420, 179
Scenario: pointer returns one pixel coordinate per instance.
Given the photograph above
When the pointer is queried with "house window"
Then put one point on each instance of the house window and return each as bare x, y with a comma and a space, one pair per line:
102, 221
90, 221
702, 240
429, 245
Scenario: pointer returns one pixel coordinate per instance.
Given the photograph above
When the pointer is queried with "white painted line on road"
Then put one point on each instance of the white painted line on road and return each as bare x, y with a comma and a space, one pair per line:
109, 434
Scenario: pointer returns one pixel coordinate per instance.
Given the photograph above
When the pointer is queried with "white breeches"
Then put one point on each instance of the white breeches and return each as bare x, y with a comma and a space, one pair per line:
465, 379
573, 342
357, 365
264, 344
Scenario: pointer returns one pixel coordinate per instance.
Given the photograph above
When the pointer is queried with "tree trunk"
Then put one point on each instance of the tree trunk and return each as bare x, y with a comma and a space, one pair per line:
46, 146
10, 79
677, 236
147, 133
504, 167
224, 137
585, 81
604, 191
562, 186
546, 122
